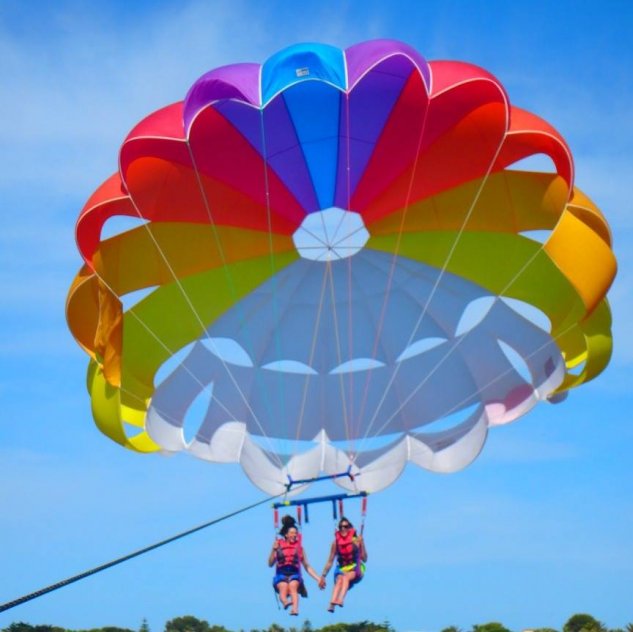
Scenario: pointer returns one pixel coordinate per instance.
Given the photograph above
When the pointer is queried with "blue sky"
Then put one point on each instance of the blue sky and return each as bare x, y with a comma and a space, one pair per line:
538, 528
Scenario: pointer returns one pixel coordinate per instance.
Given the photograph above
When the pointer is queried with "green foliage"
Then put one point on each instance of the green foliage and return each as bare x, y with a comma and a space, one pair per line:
107, 628
576, 623
26, 627
362, 626
192, 624
493, 626
583, 623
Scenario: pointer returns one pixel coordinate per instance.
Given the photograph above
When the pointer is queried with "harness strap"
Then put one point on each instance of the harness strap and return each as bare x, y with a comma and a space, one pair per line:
363, 514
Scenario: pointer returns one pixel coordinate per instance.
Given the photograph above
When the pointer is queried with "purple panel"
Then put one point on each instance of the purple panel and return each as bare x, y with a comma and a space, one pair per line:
238, 81
284, 154
369, 103
362, 56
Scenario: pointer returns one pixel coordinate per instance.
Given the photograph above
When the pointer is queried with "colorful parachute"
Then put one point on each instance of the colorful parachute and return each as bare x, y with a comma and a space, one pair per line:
334, 264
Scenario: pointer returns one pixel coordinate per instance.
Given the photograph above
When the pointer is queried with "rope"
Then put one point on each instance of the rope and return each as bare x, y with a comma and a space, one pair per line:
125, 558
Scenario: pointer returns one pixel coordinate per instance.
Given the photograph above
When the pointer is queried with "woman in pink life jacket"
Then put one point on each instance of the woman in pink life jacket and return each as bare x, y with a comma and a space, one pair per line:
350, 552
288, 556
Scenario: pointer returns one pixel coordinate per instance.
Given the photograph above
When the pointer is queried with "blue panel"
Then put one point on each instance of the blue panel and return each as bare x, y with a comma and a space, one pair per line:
303, 62
314, 108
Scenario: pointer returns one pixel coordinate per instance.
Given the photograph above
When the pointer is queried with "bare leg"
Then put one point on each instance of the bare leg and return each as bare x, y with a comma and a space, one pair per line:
294, 595
336, 592
283, 593
346, 579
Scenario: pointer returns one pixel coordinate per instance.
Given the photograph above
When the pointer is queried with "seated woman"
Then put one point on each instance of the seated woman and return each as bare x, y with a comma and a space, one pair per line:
288, 555
350, 552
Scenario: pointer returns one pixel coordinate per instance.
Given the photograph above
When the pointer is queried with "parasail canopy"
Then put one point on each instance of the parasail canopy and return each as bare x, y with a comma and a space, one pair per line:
332, 260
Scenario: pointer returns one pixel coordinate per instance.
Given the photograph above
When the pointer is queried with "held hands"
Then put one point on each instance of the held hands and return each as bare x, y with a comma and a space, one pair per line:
321, 582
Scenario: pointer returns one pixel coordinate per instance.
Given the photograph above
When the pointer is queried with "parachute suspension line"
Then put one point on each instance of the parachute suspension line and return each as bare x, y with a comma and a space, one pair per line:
231, 285
275, 301
431, 295
125, 558
392, 268
350, 320
363, 514
464, 401
188, 299
338, 352
350, 376
450, 351
163, 414
156, 337
315, 335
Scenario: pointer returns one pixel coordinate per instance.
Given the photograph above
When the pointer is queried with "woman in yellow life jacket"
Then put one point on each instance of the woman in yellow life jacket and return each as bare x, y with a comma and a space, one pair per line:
350, 552
288, 555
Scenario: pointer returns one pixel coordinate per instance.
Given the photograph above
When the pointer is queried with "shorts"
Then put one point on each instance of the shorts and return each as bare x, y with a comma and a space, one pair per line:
348, 568
287, 574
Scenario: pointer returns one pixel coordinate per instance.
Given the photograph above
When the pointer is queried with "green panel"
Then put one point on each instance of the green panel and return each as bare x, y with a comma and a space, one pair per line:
509, 265
178, 313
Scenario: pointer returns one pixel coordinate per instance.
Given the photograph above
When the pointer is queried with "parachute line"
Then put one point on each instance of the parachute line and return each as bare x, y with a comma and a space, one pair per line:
164, 346
441, 361
207, 207
312, 351
438, 279
274, 279
504, 373
338, 352
407, 203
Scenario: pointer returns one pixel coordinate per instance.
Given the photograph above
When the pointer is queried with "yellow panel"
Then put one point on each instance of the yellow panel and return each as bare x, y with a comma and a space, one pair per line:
584, 258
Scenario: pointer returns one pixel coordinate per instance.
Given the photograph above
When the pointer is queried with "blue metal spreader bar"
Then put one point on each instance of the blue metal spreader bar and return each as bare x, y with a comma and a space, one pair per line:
333, 498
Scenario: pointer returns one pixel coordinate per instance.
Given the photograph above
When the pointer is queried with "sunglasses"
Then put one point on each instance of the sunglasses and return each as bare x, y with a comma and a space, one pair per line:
345, 526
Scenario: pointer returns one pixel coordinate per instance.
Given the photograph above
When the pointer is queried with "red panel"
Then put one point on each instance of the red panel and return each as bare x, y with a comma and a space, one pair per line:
396, 148
175, 151
170, 192
450, 108
164, 123
108, 200
223, 154
464, 129
447, 74
529, 135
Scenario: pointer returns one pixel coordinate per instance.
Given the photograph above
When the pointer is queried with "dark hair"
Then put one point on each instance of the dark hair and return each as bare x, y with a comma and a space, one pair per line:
346, 521
287, 523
